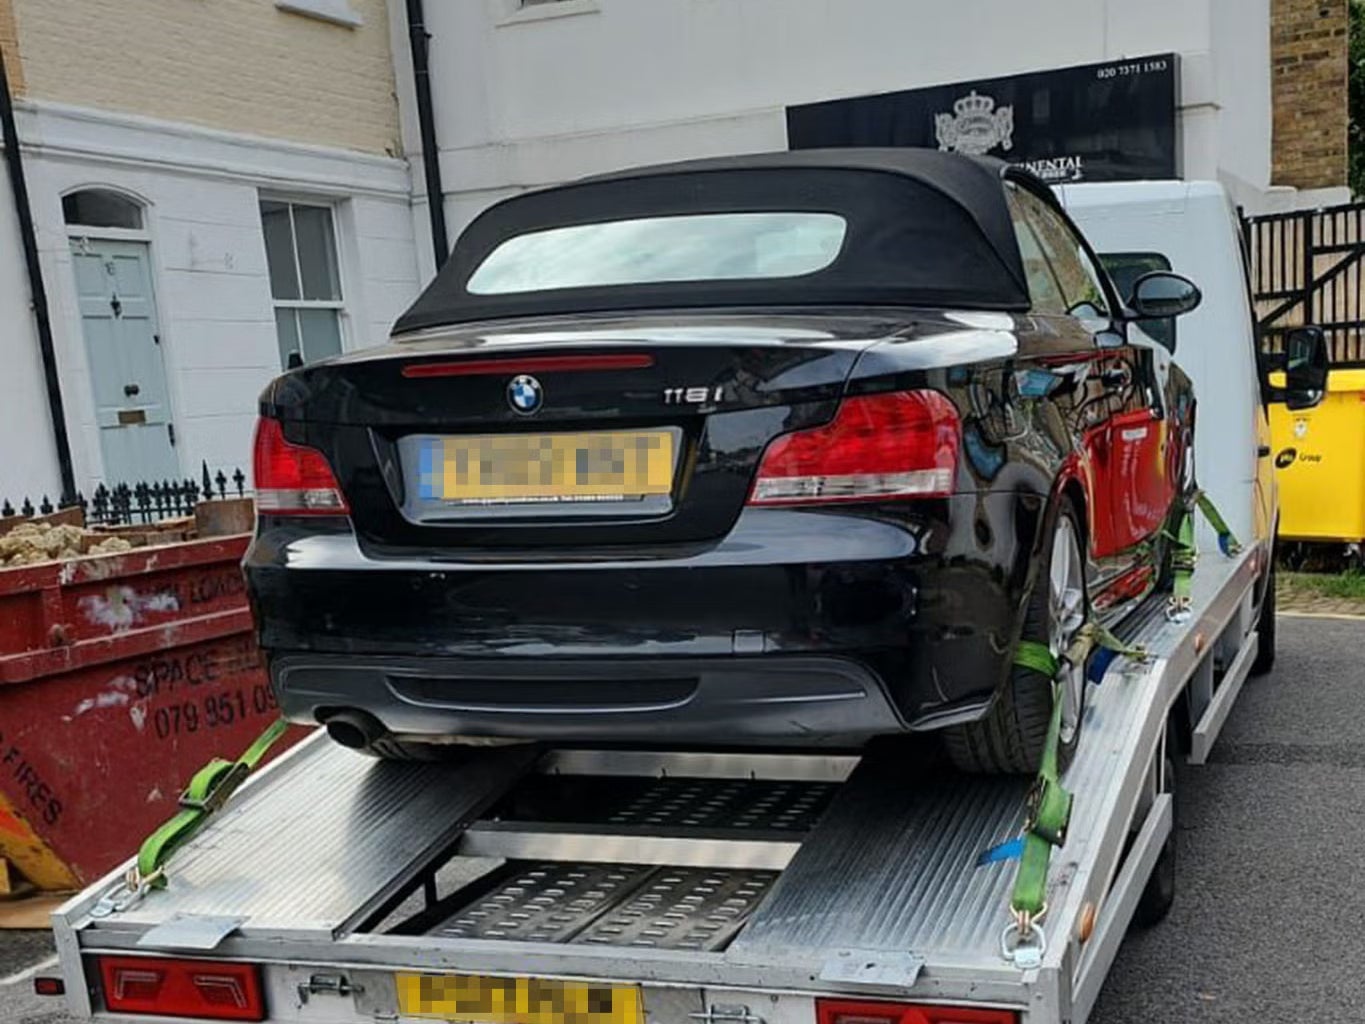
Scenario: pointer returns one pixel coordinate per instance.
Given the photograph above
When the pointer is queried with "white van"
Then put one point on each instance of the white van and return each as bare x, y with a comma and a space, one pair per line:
1192, 228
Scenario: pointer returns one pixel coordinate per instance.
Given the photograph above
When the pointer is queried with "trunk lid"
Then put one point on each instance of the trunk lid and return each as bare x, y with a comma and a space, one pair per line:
713, 391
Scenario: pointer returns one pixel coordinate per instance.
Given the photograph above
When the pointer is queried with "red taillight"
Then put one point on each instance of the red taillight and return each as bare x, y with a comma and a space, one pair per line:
903, 444
838, 1011
182, 988
292, 479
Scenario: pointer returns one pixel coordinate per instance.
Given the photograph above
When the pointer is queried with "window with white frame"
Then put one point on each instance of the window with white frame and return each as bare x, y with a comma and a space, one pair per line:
305, 280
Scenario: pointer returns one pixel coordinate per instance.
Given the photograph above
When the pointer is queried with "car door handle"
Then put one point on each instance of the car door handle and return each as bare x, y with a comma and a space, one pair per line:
131, 389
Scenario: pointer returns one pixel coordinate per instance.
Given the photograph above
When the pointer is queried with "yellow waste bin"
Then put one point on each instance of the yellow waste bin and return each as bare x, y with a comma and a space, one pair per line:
1320, 463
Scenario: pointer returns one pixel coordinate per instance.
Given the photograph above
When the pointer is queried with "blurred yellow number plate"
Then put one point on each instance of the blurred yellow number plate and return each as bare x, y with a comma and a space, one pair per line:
550, 467
515, 1000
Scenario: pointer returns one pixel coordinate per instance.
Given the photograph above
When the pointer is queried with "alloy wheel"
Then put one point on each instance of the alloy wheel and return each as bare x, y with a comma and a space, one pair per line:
1066, 616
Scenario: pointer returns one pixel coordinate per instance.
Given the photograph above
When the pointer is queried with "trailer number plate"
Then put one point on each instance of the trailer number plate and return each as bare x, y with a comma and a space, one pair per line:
483, 1000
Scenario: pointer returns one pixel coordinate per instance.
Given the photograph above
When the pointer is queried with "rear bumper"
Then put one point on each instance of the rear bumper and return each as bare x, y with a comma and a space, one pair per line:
798, 626
744, 702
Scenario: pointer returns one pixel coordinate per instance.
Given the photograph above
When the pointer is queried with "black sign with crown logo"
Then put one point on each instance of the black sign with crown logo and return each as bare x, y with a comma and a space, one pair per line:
1096, 122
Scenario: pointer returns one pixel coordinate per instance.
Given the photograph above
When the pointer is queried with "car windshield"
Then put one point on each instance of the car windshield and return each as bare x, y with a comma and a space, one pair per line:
698, 247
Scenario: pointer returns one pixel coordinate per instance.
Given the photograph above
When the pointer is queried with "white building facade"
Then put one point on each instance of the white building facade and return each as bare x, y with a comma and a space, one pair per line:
531, 92
222, 188
232, 198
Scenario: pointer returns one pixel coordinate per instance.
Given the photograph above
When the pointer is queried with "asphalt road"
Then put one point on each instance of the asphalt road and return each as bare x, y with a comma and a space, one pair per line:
1271, 849
1266, 924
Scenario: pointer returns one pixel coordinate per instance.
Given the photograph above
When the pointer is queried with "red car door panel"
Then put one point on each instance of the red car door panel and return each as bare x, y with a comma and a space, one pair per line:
1140, 481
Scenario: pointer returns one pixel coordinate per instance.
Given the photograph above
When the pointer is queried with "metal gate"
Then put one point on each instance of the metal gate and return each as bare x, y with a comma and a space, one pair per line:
1306, 269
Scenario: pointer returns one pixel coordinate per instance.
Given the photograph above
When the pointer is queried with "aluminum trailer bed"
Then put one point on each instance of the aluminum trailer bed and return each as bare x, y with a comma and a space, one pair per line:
728, 887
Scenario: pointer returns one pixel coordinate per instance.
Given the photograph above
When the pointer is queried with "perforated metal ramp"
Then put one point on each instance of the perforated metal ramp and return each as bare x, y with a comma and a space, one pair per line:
758, 804
683, 908
646, 861
612, 904
546, 902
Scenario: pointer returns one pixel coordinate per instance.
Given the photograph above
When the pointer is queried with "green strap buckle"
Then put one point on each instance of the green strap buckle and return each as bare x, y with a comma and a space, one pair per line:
210, 788
1097, 635
213, 784
1049, 811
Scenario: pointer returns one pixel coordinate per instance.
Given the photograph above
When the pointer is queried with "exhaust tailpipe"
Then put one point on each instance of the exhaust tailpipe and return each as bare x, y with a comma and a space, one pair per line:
355, 729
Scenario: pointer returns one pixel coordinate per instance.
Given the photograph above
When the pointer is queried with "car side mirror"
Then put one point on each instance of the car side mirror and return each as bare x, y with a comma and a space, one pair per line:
1161, 294
1305, 364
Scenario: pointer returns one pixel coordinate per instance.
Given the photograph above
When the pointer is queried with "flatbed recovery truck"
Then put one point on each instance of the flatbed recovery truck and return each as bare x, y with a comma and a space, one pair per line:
553, 885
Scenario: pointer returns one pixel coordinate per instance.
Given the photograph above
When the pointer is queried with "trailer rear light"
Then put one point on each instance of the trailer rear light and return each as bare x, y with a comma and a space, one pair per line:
293, 479
903, 444
199, 989
46, 985
837, 1011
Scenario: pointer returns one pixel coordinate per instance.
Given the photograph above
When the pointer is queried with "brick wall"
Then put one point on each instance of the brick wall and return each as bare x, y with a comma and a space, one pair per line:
9, 43
1308, 52
236, 65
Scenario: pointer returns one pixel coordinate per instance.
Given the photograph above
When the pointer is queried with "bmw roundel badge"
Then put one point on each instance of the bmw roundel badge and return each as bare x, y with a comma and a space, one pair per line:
524, 394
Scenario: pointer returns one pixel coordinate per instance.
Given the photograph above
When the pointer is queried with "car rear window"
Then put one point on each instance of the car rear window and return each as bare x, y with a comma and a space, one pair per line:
648, 250
728, 237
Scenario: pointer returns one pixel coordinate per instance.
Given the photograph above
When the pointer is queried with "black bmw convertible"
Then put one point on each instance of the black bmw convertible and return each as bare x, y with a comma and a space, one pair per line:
787, 450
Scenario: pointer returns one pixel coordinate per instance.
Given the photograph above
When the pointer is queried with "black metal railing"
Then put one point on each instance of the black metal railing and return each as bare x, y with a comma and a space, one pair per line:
1307, 267
141, 503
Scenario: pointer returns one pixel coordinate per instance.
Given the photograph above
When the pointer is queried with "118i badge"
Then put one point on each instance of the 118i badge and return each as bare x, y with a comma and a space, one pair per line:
694, 395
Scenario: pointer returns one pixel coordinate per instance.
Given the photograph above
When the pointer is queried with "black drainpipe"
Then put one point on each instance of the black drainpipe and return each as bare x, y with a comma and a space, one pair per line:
10, 134
431, 156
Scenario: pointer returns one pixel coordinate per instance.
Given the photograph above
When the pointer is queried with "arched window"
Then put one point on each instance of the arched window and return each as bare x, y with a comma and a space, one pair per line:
101, 208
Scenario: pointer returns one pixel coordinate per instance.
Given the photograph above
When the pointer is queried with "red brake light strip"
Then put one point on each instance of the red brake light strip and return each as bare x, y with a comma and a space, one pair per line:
531, 364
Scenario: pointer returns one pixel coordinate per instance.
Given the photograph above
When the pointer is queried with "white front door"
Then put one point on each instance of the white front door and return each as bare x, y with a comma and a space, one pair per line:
118, 319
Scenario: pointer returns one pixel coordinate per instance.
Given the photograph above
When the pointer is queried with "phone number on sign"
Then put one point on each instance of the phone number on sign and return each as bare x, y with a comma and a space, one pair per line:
1135, 67
214, 711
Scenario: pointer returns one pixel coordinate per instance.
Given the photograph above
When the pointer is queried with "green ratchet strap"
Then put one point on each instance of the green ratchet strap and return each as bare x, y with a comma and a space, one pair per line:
1184, 555
210, 788
1227, 543
1093, 635
1036, 658
1182, 563
1049, 802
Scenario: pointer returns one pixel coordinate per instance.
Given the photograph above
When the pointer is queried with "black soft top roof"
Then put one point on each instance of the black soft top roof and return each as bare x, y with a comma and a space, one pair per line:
925, 228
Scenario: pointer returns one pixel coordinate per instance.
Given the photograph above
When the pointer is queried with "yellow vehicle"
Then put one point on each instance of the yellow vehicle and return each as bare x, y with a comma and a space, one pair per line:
1319, 458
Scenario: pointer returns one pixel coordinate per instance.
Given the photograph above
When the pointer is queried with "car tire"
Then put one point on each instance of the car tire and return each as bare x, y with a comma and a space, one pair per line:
1009, 739
1158, 895
1265, 629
